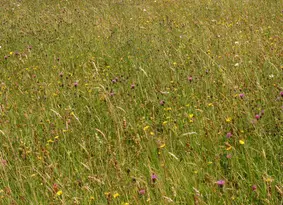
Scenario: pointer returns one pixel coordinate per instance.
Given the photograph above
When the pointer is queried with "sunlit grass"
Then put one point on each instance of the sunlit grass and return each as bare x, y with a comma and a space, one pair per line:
141, 102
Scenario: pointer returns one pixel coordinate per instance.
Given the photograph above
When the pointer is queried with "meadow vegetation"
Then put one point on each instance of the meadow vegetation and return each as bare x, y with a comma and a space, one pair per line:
141, 102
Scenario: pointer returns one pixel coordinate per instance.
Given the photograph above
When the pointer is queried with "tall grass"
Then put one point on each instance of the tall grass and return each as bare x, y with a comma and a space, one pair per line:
141, 102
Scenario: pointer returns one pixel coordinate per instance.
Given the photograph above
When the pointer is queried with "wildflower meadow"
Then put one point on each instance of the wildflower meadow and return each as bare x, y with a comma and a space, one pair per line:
128, 102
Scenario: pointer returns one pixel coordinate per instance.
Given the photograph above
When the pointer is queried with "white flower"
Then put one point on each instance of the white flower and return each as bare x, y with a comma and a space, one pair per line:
237, 64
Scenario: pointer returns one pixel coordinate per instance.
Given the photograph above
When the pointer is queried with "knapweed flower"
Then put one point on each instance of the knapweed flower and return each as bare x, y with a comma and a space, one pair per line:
76, 84
55, 187
153, 178
228, 156
4, 162
254, 187
281, 93
190, 78
257, 116
229, 135
142, 191
112, 94
133, 86
242, 95
162, 102
220, 183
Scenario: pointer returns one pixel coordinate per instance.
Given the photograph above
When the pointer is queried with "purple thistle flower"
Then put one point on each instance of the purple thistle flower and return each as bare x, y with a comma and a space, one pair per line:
162, 102
242, 95
229, 135
229, 156
220, 183
112, 93
133, 86
190, 78
153, 178
76, 84
281, 93
254, 187
257, 116
61, 74
6, 57
114, 81
142, 191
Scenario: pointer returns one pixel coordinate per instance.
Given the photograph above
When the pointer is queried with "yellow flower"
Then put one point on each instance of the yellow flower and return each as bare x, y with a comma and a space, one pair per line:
11, 53
228, 119
56, 137
91, 198
106, 193
164, 123
146, 128
210, 105
59, 193
151, 133
116, 195
126, 203
167, 108
162, 146
191, 116
241, 142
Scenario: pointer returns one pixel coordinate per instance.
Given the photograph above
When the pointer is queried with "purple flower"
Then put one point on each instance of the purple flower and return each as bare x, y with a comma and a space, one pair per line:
281, 93
242, 95
229, 135
114, 81
6, 57
190, 78
220, 183
76, 84
112, 93
4, 162
162, 102
61, 74
142, 191
153, 178
254, 187
257, 116
229, 156
133, 86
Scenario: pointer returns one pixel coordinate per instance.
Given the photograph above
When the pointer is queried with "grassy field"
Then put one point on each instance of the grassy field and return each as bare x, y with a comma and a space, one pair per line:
129, 102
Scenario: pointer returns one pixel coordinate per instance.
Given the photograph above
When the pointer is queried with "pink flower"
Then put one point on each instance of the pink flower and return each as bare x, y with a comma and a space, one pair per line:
242, 95
153, 178
190, 78
4, 162
229, 135
257, 116
220, 183
142, 192
254, 187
